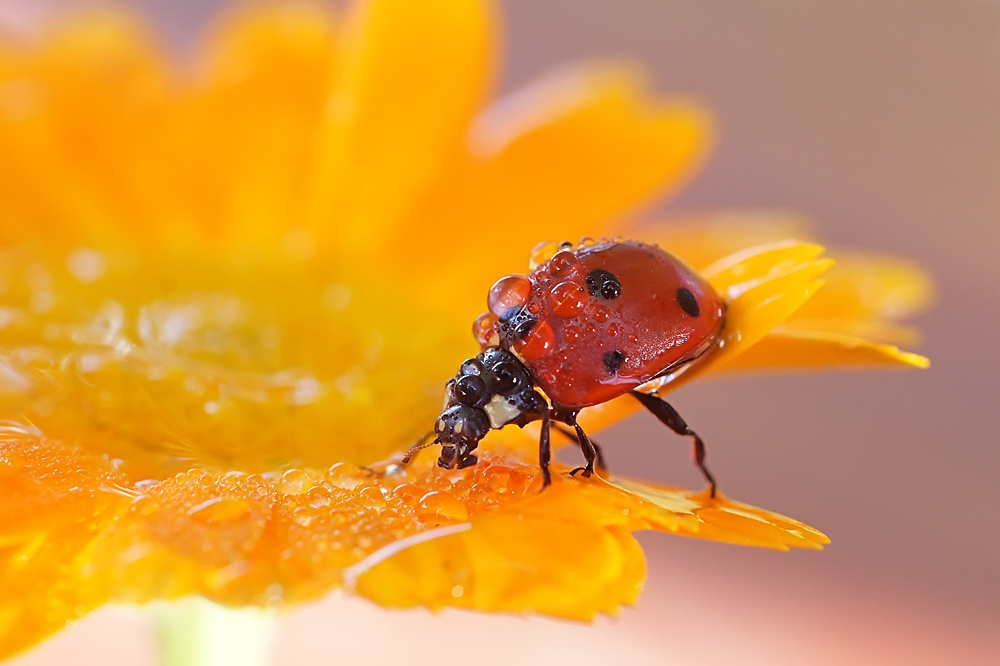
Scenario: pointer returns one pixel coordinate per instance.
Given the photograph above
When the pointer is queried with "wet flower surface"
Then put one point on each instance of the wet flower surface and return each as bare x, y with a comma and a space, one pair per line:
228, 293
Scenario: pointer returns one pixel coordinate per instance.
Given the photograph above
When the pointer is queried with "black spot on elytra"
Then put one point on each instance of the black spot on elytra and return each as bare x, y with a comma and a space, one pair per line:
603, 284
688, 302
613, 360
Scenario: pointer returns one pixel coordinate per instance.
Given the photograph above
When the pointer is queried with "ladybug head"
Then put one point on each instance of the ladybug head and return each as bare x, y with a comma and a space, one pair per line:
490, 391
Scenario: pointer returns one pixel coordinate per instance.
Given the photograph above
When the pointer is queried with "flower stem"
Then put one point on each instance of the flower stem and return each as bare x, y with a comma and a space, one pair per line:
196, 632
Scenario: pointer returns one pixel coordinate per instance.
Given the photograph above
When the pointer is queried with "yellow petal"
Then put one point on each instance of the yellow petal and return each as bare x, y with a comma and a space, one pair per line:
411, 77
703, 239
266, 76
77, 121
762, 288
869, 286
787, 348
563, 157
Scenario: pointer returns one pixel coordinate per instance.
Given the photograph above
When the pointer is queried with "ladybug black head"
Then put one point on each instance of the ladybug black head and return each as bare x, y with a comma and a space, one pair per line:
490, 391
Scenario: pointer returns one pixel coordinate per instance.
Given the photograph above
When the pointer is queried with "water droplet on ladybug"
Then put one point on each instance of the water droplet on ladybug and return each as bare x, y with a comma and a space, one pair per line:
563, 263
567, 299
542, 253
537, 342
612, 329
484, 328
508, 292
601, 315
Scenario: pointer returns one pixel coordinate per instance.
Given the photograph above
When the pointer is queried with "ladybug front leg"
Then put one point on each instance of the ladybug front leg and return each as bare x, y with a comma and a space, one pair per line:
545, 449
662, 410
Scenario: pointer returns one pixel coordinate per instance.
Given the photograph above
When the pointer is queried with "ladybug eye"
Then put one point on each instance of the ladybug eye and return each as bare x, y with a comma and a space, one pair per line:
603, 284
688, 302
505, 377
469, 389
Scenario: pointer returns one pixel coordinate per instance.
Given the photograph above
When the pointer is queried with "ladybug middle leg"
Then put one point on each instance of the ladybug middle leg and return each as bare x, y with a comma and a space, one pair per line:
667, 415
601, 465
590, 451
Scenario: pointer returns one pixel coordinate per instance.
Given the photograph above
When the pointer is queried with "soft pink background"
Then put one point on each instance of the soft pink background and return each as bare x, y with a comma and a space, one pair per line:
880, 120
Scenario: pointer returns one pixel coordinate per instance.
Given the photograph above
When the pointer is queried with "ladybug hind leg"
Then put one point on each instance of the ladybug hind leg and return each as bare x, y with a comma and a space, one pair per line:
669, 417
582, 440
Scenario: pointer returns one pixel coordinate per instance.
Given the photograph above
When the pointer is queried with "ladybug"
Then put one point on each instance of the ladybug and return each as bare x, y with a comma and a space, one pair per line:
593, 322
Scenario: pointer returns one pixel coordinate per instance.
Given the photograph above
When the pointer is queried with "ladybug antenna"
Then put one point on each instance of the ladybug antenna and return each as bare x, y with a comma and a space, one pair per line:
422, 443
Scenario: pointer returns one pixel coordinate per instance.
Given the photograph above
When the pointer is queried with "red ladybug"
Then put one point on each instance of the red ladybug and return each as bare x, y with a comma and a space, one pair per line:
592, 323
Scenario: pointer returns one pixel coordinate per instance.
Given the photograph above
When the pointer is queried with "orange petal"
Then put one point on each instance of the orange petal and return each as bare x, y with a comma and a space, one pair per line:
869, 287
267, 73
787, 347
412, 76
703, 239
77, 123
763, 287
564, 156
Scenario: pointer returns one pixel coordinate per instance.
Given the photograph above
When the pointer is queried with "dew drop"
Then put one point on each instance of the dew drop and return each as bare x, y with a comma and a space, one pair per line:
538, 343
564, 263
508, 292
438, 503
219, 509
295, 482
485, 329
542, 253
567, 299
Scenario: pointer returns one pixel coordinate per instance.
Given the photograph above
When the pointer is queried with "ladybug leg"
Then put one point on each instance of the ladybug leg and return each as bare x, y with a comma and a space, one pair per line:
662, 410
601, 465
590, 451
545, 449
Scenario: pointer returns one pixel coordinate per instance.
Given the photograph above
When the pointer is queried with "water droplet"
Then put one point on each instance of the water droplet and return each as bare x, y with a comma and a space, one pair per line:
295, 482
613, 330
567, 299
542, 253
538, 343
438, 503
508, 292
371, 497
563, 264
219, 509
485, 329
303, 516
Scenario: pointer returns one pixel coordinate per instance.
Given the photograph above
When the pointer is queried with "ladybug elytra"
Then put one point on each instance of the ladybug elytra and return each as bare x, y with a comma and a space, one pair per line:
592, 322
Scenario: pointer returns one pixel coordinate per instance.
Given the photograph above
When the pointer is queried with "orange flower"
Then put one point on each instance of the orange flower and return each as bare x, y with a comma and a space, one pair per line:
226, 290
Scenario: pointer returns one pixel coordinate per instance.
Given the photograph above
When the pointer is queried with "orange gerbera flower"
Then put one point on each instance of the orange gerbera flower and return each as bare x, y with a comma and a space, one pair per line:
226, 290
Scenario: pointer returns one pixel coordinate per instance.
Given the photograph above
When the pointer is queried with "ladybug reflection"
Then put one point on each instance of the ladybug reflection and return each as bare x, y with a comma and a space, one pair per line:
594, 322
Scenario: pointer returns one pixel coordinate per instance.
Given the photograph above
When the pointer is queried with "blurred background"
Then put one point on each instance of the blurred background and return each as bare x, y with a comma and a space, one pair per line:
881, 122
